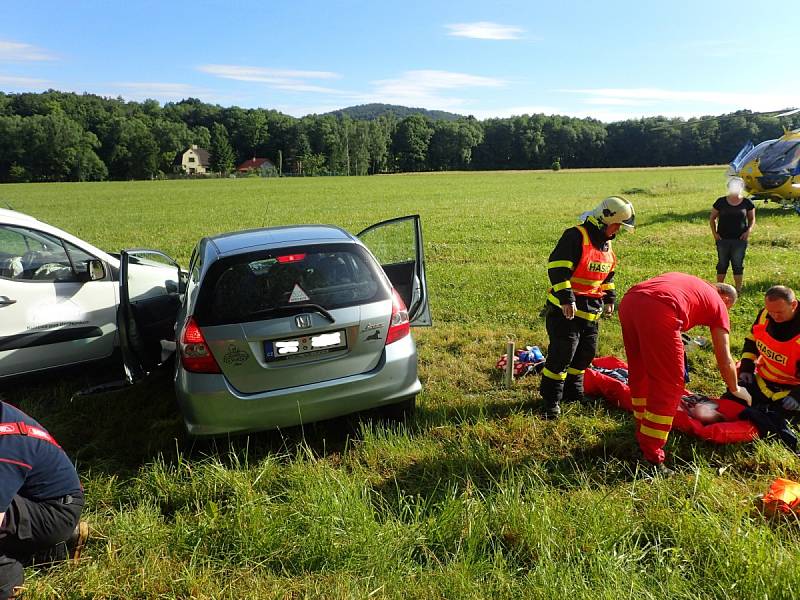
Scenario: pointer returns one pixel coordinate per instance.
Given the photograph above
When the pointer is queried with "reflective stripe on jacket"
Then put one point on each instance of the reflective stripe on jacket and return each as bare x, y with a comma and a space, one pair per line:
589, 274
777, 361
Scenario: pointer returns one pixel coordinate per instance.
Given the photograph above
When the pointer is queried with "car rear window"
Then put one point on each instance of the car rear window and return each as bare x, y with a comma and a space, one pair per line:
252, 286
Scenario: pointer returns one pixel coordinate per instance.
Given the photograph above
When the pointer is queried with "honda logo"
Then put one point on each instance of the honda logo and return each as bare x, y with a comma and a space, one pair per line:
303, 321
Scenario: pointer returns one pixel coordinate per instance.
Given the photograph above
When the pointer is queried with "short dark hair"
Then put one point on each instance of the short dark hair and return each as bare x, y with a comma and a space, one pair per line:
780, 292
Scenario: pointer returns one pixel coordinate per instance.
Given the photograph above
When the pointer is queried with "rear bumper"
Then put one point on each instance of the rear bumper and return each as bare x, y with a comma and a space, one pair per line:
210, 406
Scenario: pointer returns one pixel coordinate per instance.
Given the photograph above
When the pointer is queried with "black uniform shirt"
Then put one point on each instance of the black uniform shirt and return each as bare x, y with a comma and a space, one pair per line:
31, 467
570, 248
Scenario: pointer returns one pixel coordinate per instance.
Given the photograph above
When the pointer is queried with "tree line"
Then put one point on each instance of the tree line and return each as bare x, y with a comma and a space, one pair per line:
59, 136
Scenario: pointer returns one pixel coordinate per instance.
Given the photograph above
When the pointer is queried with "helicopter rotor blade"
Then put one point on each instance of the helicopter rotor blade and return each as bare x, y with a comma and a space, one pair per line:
793, 111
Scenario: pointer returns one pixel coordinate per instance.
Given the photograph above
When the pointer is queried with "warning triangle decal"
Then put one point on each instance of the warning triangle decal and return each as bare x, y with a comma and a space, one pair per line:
298, 295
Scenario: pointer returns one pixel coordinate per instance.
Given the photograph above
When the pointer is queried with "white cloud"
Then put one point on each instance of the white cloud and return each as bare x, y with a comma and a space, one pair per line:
10, 81
423, 88
610, 101
16, 51
695, 102
141, 90
283, 79
264, 74
485, 30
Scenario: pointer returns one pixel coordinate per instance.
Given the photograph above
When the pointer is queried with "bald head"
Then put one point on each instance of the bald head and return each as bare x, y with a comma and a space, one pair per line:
728, 293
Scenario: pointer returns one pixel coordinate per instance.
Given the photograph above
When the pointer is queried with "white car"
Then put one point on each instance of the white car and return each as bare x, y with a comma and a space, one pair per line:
59, 296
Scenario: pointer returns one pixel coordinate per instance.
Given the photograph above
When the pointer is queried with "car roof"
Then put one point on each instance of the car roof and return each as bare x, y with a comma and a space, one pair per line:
275, 237
8, 215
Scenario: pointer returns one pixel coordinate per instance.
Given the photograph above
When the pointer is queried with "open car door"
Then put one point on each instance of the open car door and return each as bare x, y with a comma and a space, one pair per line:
397, 244
151, 292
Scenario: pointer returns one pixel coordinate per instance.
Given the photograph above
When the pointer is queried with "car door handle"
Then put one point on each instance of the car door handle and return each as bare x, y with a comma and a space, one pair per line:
5, 301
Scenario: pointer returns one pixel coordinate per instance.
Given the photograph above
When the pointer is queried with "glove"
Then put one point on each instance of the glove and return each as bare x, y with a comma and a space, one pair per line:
790, 404
743, 394
746, 378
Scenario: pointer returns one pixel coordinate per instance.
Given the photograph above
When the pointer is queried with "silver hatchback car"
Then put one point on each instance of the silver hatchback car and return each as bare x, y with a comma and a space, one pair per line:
288, 325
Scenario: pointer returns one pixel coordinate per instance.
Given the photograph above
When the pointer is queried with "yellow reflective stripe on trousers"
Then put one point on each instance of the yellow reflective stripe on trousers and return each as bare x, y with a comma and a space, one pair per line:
638, 401
555, 264
774, 396
572, 371
653, 433
749, 355
587, 315
660, 419
557, 376
562, 286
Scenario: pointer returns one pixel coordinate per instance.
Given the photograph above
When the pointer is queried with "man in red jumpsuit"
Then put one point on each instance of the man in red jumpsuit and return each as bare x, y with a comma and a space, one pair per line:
653, 314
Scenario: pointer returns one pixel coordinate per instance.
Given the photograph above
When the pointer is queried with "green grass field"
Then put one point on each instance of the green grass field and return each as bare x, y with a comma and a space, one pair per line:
477, 497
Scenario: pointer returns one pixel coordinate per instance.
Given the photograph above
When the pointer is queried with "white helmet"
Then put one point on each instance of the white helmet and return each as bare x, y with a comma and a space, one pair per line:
615, 209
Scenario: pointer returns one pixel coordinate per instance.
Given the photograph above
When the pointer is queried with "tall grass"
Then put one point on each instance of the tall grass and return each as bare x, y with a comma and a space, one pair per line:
476, 496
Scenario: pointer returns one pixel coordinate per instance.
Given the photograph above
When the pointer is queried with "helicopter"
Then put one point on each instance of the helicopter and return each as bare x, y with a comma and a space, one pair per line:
771, 170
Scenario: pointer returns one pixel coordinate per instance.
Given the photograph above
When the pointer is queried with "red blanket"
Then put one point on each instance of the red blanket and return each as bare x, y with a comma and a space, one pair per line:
617, 393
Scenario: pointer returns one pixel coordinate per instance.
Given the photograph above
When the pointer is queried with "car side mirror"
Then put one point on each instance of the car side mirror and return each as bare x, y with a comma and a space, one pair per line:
95, 270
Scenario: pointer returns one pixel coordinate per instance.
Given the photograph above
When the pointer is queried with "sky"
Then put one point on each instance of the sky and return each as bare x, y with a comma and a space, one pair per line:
609, 60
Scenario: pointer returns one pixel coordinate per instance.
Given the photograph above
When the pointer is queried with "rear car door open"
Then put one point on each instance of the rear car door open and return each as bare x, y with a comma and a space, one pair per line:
397, 244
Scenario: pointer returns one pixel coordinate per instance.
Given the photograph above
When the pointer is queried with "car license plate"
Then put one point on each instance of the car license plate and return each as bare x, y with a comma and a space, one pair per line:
304, 345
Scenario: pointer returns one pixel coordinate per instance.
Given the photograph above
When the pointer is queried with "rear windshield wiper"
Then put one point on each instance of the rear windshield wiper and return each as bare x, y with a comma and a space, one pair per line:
294, 308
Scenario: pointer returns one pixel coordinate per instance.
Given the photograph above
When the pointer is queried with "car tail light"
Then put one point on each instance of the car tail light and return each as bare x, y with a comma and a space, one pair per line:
196, 356
290, 258
399, 325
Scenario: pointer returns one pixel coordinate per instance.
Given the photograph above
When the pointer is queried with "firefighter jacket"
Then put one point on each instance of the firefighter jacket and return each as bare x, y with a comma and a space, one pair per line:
581, 270
772, 351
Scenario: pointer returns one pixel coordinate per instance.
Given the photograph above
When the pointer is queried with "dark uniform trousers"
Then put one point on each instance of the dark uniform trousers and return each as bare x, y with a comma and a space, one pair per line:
573, 344
31, 527
769, 415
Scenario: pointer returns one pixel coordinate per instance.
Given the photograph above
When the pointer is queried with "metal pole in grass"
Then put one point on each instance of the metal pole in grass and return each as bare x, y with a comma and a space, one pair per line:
509, 375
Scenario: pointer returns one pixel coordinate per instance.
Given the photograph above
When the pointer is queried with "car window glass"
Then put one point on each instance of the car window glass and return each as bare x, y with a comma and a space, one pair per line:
195, 264
330, 279
392, 243
29, 255
79, 258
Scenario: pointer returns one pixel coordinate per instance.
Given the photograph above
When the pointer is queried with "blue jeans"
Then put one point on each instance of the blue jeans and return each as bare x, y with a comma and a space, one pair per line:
731, 252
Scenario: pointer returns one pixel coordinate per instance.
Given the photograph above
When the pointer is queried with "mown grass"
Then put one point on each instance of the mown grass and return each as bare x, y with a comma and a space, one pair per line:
477, 496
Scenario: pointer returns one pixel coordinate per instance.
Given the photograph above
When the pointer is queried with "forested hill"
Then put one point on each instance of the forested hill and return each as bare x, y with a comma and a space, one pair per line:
61, 136
369, 112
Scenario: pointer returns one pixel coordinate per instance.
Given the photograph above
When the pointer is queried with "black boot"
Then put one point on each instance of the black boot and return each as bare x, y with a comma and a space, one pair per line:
573, 388
551, 392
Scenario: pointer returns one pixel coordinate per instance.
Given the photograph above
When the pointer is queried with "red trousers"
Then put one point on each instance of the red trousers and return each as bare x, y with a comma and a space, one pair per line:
651, 332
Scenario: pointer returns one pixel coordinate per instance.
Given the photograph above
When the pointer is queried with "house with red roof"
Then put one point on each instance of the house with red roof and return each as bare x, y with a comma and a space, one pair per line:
259, 165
